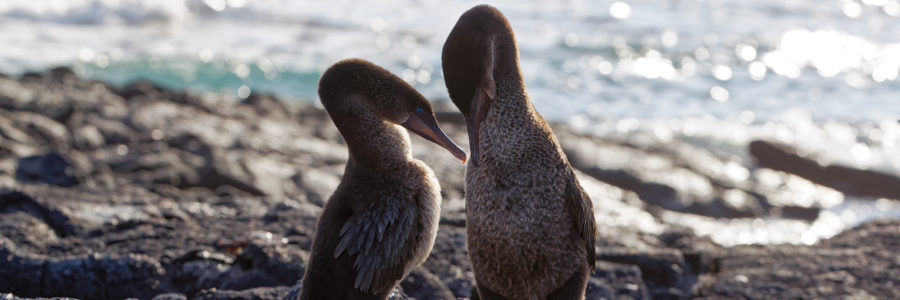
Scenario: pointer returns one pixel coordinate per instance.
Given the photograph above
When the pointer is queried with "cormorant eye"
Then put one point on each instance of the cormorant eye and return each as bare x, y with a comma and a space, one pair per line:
420, 109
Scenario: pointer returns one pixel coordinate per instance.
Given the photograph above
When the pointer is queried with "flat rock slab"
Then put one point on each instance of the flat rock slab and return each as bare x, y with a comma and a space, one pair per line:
847, 266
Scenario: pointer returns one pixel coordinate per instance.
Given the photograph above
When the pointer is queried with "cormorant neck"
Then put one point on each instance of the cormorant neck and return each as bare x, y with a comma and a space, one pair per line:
506, 70
511, 121
371, 141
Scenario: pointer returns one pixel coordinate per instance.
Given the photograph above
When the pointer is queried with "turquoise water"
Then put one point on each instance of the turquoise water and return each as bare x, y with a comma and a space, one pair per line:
186, 74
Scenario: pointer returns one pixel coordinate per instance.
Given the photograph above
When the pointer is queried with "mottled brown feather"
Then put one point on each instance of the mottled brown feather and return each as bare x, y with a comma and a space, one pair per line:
582, 209
530, 226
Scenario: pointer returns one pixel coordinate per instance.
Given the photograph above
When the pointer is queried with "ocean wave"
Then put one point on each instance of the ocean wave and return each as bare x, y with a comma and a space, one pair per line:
94, 12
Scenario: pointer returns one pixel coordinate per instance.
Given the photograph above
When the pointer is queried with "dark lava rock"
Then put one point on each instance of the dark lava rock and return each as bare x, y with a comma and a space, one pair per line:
616, 281
10, 296
665, 272
88, 137
45, 130
396, 294
448, 261
850, 181
266, 105
847, 266
171, 296
256, 265
50, 168
91, 277
421, 284
11, 201
10, 131
248, 294
875, 234
140, 88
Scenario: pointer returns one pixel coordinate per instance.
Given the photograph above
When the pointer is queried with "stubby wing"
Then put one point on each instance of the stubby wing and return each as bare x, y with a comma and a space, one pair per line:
377, 235
582, 210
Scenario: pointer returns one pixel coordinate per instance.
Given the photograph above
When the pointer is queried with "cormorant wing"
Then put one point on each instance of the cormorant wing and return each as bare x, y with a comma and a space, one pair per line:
582, 211
377, 234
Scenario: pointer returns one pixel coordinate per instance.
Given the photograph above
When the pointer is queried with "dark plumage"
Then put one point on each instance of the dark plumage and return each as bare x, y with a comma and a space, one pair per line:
530, 226
383, 218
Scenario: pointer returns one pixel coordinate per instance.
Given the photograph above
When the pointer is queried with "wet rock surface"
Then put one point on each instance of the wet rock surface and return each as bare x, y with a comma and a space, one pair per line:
139, 191
848, 180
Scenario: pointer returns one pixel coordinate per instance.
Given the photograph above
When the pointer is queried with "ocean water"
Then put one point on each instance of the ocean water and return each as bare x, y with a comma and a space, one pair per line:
820, 75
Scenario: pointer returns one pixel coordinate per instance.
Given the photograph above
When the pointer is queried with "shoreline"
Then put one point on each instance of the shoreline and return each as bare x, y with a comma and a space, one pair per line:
139, 191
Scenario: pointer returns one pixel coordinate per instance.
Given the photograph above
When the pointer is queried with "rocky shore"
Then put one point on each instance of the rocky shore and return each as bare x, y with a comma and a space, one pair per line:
143, 192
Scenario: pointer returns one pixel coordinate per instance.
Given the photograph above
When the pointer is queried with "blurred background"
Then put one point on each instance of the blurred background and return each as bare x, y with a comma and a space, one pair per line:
820, 76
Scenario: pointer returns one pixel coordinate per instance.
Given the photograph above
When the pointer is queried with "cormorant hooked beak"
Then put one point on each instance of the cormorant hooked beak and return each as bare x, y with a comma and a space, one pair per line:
424, 124
480, 105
